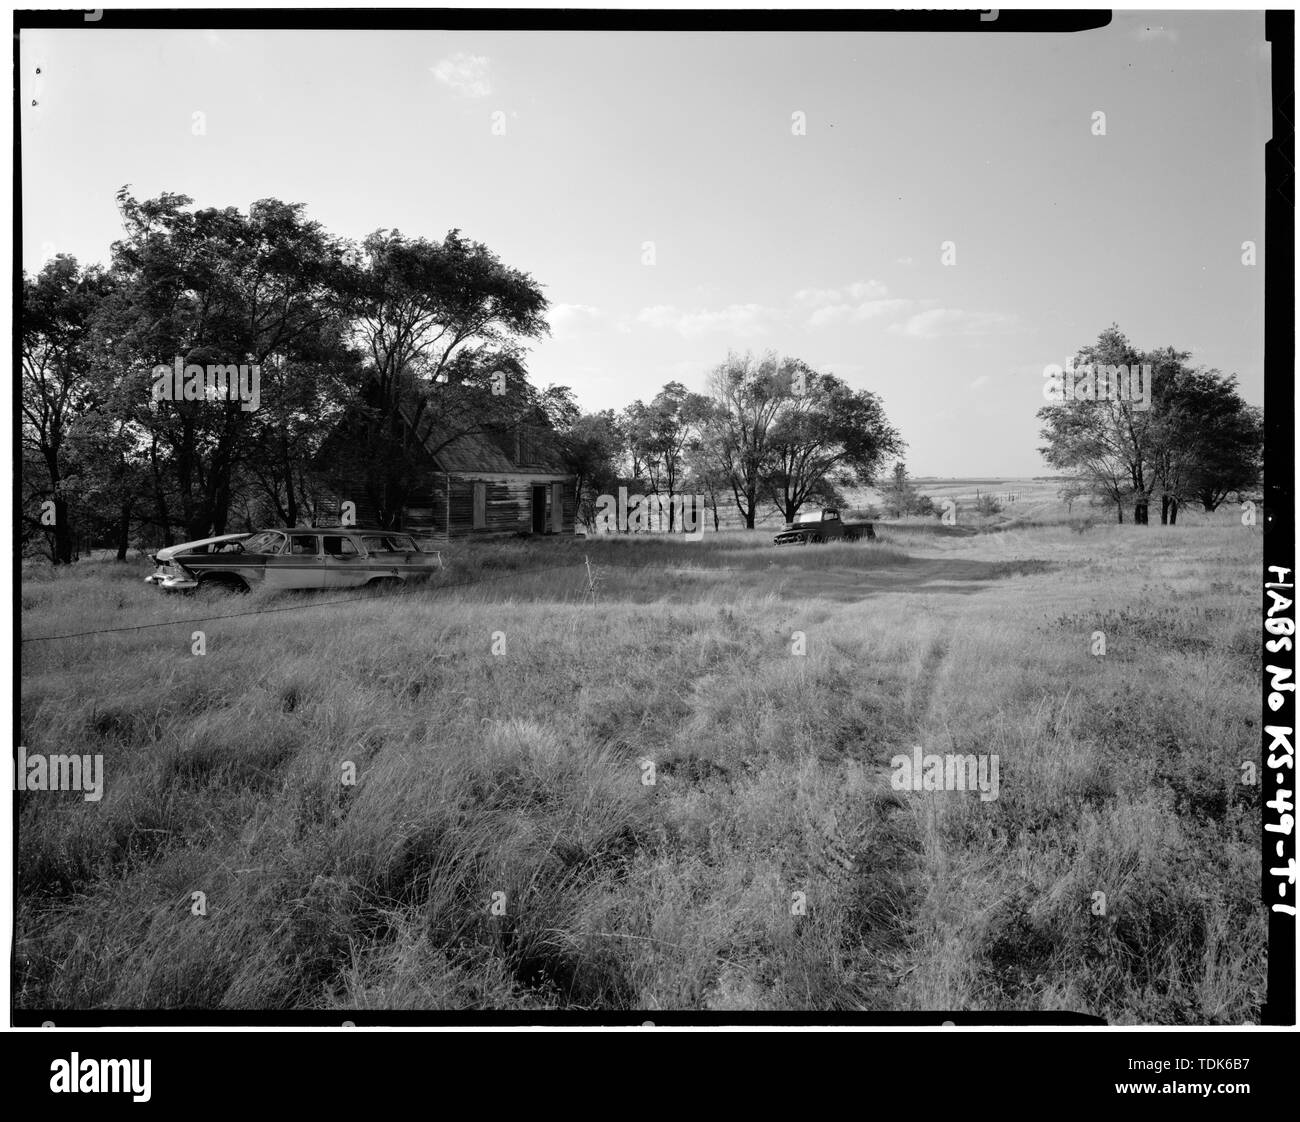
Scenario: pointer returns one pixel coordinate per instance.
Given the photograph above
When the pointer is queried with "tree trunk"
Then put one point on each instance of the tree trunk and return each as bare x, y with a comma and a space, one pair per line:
162, 516
292, 511
1164, 510
124, 530
1119, 513
64, 546
1173, 511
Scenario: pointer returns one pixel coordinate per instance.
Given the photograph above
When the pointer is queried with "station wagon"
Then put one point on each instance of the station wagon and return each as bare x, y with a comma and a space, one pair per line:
314, 557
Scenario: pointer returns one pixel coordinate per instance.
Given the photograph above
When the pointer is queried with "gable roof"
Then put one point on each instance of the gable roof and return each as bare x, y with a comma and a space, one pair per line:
527, 448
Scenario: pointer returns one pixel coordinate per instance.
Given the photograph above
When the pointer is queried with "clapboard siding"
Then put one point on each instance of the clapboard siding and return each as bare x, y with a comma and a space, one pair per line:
509, 506
508, 510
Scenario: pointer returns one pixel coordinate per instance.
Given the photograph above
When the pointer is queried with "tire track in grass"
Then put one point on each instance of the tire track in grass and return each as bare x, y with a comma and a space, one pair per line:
885, 885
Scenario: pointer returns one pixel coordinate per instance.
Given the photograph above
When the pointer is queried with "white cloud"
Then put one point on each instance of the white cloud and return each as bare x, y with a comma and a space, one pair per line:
467, 75
816, 297
877, 309
936, 322
749, 318
904, 261
864, 312
831, 313
855, 303
824, 297
567, 319
867, 290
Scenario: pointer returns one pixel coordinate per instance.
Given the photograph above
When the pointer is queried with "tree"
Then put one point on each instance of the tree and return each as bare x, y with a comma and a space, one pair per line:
708, 477
747, 397
899, 495
1214, 441
897, 492
1197, 439
441, 324
1107, 444
217, 287
421, 301
662, 434
57, 309
591, 451
825, 436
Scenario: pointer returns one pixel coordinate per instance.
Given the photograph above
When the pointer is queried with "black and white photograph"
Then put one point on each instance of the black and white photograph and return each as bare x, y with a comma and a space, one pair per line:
638, 518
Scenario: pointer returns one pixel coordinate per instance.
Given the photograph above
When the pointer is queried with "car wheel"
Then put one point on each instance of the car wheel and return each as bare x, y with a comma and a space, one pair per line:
230, 585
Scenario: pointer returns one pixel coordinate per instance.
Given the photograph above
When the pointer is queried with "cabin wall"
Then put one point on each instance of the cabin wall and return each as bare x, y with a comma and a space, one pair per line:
444, 508
508, 506
425, 509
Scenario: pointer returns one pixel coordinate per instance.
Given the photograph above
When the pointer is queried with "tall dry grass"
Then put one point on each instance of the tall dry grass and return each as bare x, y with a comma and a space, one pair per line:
501, 847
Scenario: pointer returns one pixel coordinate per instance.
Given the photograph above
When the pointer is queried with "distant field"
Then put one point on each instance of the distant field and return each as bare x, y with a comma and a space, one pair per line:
1036, 497
502, 848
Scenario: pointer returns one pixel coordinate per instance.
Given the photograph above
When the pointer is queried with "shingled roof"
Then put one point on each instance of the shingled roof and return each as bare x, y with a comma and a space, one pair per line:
527, 448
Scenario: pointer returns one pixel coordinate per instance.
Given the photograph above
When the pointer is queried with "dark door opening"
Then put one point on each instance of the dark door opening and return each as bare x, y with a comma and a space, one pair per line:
539, 510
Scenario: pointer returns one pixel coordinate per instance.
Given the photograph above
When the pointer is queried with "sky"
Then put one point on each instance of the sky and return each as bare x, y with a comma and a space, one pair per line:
933, 218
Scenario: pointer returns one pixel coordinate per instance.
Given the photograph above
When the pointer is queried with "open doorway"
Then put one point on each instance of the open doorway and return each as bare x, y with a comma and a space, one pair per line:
539, 510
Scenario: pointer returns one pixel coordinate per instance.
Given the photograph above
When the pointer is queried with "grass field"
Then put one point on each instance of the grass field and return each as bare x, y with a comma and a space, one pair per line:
502, 846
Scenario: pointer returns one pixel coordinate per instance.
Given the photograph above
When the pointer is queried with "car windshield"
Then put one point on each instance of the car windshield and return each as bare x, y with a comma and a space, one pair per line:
268, 541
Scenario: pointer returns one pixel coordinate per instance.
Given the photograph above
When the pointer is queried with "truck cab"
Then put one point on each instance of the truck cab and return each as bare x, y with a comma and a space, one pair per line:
814, 518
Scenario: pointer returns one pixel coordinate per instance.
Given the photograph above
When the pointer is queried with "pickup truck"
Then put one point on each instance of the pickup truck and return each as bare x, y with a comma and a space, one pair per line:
823, 526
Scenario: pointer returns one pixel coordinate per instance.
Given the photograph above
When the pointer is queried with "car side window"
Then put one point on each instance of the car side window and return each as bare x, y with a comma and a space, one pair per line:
268, 542
378, 545
304, 545
340, 547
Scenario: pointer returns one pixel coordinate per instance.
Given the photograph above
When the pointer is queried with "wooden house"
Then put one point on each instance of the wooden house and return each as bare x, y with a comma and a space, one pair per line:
471, 481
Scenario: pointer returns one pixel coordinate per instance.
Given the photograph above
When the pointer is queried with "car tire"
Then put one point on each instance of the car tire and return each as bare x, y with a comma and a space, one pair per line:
230, 585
